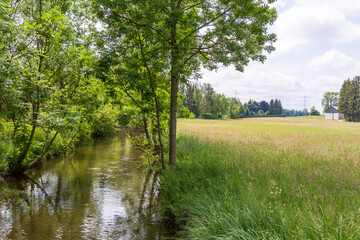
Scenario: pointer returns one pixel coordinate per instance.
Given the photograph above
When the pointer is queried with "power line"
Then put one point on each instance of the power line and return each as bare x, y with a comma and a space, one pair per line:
236, 93
305, 97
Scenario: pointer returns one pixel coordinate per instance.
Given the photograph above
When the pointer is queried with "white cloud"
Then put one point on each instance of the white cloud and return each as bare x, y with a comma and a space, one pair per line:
321, 21
346, 6
279, 4
333, 61
317, 49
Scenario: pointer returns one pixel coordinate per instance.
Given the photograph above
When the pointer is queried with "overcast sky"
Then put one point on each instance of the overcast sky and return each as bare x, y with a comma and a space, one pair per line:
318, 47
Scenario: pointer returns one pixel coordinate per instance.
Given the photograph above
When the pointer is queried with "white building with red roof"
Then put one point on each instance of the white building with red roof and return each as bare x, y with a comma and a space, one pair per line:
333, 113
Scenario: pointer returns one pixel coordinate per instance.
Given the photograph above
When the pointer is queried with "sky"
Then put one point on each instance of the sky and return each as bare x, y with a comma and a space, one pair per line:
317, 48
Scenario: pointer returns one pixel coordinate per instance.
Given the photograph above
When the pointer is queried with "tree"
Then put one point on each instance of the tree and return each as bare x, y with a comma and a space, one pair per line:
253, 106
209, 101
236, 109
264, 106
202, 100
47, 90
221, 105
329, 99
186, 34
295, 113
277, 107
184, 112
314, 112
349, 101
272, 107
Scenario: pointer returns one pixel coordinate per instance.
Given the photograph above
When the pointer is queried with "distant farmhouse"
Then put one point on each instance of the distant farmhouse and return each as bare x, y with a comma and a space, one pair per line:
332, 113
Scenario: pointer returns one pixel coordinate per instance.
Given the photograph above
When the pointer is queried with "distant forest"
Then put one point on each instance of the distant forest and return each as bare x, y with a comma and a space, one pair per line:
296, 113
201, 101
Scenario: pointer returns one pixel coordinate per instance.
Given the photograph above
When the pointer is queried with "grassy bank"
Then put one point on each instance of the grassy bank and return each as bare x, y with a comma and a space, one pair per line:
287, 178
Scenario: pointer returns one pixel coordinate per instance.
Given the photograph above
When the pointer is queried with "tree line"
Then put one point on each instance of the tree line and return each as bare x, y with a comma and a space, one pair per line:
274, 107
201, 101
295, 113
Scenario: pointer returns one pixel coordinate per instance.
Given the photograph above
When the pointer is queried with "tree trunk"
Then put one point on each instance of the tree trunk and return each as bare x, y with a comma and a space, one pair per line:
37, 160
173, 112
146, 129
175, 75
159, 133
18, 167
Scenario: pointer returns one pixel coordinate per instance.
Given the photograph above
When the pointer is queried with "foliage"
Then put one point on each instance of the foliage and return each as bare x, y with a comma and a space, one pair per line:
184, 112
265, 179
47, 89
167, 41
204, 102
104, 122
295, 113
263, 108
252, 107
207, 116
349, 101
330, 99
314, 112
236, 110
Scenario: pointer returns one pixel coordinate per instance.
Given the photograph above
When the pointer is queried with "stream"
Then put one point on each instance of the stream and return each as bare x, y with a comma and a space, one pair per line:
98, 192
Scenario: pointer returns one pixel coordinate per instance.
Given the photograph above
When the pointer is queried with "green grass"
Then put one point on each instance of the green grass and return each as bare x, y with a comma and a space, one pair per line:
282, 182
315, 117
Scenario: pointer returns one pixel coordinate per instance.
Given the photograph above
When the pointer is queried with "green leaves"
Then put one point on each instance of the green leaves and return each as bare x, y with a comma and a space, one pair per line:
349, 101
158, 44
46, 77
330, 99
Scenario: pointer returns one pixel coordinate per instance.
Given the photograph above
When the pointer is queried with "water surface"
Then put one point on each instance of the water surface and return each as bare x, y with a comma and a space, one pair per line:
98, 193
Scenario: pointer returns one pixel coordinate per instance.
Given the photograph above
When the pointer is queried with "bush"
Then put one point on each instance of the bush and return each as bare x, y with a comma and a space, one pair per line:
208, 116
104, 123
184, 112
5, 151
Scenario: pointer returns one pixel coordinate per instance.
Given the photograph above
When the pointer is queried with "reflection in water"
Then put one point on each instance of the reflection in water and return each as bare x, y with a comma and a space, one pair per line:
98, 193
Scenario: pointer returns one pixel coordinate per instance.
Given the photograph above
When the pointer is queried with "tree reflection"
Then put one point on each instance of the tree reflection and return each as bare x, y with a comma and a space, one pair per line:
98, 193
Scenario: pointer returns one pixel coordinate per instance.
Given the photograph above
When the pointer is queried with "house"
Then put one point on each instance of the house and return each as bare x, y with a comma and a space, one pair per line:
332, 113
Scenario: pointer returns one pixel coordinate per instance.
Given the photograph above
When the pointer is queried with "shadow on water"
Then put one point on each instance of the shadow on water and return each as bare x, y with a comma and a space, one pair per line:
98, 193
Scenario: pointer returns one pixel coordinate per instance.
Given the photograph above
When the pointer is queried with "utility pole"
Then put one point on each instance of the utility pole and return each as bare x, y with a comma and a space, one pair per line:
236, 93
305, 97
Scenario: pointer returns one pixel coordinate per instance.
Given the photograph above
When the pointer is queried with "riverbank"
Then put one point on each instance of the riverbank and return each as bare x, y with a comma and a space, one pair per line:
265, 179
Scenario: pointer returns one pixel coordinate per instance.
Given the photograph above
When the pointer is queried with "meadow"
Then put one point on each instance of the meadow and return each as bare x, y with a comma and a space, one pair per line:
266, 178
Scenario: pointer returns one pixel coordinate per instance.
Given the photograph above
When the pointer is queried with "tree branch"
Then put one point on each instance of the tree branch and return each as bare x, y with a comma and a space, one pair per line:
43, 153
145, 25
206, 24
190, 7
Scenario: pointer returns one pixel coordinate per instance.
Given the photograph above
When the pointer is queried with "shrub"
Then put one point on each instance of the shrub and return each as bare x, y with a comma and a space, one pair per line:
184, 112
104, 122
208, 116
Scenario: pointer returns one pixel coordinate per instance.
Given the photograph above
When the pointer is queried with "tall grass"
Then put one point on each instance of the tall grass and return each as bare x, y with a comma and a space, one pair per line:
265, 179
